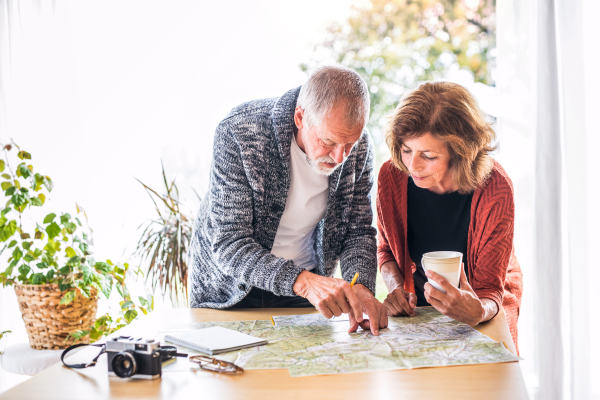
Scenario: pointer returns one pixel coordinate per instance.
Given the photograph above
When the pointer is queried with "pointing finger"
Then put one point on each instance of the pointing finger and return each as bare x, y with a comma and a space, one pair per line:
353, 324
354, 302
373, 314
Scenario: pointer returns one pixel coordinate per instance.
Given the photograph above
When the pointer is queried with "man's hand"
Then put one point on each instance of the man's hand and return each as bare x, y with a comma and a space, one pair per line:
372, 307
400, 302
461, 305
331, 296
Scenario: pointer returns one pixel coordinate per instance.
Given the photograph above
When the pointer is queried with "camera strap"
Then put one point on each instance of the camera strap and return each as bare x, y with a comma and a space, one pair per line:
90, 364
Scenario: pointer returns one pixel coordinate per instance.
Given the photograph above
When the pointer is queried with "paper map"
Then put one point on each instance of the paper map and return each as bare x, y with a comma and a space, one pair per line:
312, 345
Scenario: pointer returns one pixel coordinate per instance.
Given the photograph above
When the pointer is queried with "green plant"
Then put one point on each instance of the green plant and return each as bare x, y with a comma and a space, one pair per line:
107, 323
164, 242
59, 249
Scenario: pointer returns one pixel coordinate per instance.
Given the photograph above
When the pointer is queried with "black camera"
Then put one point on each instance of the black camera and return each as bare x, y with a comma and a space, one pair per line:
137, 358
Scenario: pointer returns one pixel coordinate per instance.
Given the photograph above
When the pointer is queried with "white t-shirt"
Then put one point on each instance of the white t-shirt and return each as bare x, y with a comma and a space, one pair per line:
304, 208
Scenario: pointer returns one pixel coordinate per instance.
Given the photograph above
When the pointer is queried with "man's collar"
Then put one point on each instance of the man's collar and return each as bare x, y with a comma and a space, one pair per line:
282, 117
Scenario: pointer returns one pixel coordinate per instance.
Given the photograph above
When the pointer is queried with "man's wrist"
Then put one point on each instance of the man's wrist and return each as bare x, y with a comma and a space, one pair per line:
300, 285
360, 286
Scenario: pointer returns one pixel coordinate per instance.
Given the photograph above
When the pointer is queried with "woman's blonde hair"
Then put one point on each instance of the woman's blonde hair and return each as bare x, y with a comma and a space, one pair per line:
450, 113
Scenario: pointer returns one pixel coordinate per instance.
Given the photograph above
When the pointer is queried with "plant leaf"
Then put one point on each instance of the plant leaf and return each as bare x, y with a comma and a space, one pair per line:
23, 170
8, 230
70, 252
23, 155
53, 230
48, 183
130, 315
68, 297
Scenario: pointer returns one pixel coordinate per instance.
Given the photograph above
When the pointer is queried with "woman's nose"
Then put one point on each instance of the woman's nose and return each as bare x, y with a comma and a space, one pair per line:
414, 164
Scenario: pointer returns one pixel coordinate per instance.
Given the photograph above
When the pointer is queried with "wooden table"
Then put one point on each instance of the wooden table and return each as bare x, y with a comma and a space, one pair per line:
489, 381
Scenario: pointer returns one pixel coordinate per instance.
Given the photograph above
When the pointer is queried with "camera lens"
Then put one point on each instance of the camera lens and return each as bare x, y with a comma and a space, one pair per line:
124, 364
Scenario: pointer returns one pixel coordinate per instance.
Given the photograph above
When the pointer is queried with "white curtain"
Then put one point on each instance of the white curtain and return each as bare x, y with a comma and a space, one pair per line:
547, 62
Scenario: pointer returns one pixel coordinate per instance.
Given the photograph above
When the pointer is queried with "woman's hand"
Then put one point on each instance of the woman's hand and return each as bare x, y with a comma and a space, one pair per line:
460, 304
400, 302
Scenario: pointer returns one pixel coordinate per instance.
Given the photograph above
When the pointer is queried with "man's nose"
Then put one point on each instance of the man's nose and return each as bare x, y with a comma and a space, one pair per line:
338, 154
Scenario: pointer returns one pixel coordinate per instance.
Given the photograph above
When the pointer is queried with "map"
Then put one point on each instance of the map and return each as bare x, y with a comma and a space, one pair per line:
312, 345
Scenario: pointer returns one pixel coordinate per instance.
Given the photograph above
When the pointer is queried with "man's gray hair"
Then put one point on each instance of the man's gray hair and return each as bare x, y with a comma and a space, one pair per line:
328, 85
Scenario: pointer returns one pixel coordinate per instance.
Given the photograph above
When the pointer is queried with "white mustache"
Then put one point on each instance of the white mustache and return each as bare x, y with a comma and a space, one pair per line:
323, 170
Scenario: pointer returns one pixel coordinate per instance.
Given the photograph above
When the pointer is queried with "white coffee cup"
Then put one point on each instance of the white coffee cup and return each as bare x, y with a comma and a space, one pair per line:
444, 263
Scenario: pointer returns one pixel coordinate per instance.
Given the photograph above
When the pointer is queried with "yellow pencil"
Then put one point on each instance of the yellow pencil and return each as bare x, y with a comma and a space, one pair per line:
354, 279
272, 321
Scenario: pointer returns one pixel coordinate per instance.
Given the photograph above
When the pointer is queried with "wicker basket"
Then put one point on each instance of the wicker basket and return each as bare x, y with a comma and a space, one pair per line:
48, 324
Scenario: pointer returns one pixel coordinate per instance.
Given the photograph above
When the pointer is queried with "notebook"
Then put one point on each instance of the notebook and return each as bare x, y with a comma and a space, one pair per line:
214, 340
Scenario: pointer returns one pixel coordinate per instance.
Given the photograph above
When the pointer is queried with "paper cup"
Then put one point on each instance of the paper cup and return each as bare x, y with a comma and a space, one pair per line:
444, 263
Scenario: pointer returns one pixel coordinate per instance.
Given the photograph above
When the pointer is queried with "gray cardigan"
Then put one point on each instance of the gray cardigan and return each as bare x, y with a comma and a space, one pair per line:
231, 246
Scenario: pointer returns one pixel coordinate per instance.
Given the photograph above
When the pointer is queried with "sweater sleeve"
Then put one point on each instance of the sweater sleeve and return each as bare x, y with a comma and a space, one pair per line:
358, 250
231, 214
495, 242
384, 251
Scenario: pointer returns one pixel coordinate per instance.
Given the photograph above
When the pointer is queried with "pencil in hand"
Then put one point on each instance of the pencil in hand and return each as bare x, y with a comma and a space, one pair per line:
354, 279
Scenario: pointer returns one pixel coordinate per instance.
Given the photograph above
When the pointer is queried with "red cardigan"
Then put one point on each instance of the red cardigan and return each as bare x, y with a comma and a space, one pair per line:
494, 271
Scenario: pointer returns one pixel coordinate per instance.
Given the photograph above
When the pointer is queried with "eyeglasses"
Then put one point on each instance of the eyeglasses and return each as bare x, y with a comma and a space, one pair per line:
212, 364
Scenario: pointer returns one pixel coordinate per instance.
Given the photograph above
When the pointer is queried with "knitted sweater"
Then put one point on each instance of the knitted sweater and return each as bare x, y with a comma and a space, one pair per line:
233, 235
494, 271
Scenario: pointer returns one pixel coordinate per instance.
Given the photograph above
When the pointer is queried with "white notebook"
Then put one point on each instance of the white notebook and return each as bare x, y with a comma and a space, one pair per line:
214, 340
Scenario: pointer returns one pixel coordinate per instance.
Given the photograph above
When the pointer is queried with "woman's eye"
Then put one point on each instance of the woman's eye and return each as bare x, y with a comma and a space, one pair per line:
406, 151
429, 158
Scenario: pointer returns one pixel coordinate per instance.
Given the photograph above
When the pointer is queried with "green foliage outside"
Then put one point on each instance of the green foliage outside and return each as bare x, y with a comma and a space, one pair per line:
397, 44
59, 249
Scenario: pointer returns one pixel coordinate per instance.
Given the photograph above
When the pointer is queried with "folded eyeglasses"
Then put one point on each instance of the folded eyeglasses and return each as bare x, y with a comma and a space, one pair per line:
214, 365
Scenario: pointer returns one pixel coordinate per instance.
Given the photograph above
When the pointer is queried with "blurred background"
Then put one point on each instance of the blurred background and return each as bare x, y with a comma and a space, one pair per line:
100, 93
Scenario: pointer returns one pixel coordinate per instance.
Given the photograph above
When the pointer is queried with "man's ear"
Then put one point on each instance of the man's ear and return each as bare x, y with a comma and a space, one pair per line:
299, 117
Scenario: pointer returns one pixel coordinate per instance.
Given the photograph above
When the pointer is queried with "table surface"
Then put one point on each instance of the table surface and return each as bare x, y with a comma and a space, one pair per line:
489, 381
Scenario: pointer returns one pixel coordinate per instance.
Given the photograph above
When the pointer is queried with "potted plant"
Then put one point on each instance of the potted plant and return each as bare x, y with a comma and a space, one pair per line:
50, 264
162, 247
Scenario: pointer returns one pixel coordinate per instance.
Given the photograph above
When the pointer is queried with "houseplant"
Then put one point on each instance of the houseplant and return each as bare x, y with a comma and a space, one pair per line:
162, 247
50, 263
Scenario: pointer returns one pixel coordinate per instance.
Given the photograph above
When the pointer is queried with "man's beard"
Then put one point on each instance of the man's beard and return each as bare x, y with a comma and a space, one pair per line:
314, 164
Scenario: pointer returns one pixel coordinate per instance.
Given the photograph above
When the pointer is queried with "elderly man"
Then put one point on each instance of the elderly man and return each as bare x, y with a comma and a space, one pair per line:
288, 199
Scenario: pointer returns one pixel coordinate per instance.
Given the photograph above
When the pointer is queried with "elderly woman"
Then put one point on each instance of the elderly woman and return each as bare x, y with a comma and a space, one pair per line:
442, 190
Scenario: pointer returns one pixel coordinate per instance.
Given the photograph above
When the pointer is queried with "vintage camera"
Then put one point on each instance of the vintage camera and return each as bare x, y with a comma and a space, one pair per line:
129, 357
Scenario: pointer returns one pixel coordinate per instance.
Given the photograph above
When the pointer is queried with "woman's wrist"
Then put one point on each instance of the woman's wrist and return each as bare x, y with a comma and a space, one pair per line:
392, 277
490, 309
